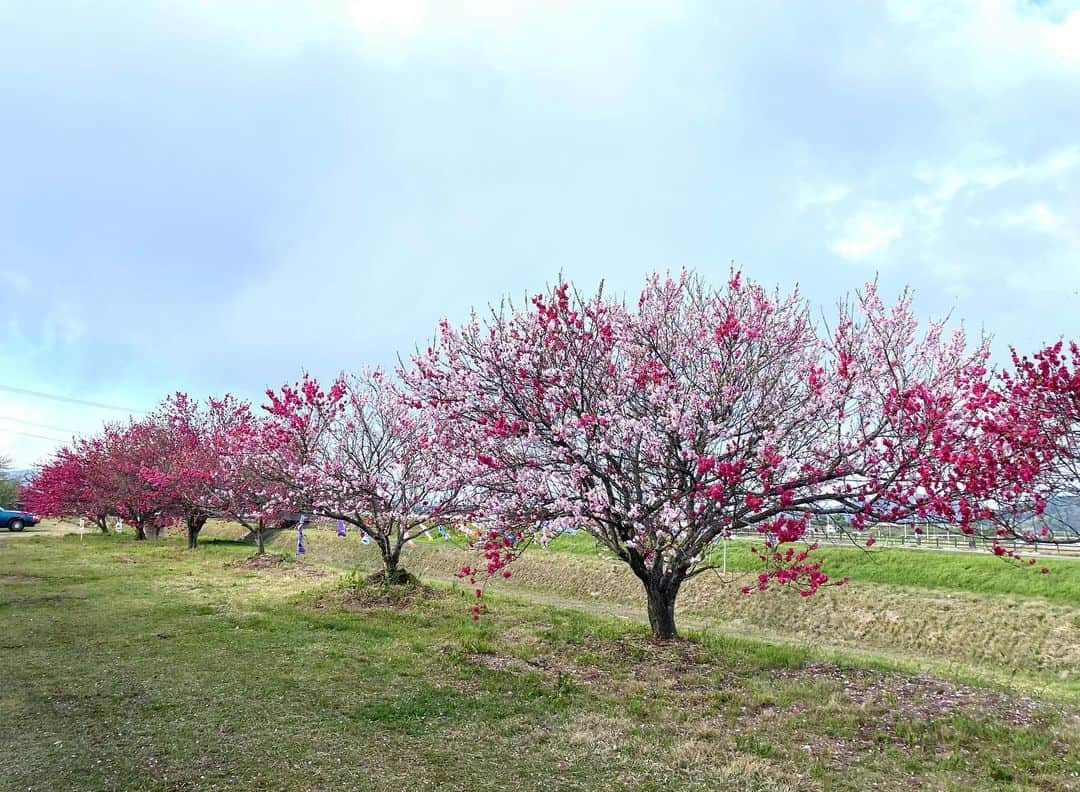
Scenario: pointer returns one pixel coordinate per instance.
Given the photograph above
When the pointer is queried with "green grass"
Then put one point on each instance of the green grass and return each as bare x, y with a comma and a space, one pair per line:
979, 573
145, 666
1030, 643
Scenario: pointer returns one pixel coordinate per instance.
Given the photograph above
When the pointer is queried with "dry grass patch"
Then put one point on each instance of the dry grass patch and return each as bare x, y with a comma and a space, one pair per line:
280, 564
902, 697
391, 597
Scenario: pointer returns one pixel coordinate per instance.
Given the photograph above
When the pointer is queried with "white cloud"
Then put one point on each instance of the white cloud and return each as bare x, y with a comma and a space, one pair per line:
868, 234
389, 20
984, 191
1035, 217
1064, 38
824, 195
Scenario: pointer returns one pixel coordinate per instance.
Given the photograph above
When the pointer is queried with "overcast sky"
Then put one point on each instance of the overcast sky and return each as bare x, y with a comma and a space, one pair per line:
212, 195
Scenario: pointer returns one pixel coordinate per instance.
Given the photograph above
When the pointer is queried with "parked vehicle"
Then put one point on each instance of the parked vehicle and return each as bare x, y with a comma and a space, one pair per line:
16, 520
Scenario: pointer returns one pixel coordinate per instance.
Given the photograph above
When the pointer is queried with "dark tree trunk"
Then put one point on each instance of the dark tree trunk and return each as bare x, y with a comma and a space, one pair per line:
102, 522
140, 530
661, 589
259, 537
391, 566
391, 558
661, 602
194, 525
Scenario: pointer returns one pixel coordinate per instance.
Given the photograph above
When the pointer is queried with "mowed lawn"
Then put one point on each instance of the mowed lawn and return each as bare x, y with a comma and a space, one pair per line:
145, 666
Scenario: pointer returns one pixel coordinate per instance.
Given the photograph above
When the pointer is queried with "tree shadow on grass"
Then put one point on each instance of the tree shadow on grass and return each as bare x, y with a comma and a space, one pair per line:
224, 543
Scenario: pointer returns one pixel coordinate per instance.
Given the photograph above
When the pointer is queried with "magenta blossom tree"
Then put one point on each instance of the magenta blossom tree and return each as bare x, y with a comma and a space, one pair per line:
246, 487
659, 427
74, 483
207, 462
1035, 427
183, 470
129, 451
362, 453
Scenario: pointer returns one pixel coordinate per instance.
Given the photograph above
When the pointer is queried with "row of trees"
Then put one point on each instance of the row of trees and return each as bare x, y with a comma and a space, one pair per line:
182, 464
658, 427
10, 486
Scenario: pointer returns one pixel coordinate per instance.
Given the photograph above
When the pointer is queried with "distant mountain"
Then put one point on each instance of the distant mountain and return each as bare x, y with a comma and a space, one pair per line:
20, 475
1064, 510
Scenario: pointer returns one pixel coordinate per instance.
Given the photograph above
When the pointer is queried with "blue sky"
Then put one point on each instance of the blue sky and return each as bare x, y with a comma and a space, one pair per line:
211, 195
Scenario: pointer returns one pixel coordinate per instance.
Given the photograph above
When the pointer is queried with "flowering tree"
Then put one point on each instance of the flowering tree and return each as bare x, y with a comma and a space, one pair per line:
245, 487
110, 473
129, 452
361, 453
186, 461
1035, 426
215, 461
104, 475
74, 483
660, 427
178, 466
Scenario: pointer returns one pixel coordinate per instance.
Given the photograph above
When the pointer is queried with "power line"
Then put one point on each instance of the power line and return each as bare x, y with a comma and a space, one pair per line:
31, 434
69, 399
38, 425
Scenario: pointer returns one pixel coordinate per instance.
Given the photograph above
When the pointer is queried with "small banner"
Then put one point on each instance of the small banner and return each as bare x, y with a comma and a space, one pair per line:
300, 536
341, 528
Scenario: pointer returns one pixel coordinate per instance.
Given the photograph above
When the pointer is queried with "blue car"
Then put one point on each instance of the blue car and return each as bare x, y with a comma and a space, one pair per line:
16, 520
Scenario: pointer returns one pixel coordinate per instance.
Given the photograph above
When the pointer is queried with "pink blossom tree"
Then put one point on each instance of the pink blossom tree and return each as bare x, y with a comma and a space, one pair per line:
1035, 429
246, 488
129, 451
660, 427
73, 484
362, 453
182, 467
187, 461
201, 461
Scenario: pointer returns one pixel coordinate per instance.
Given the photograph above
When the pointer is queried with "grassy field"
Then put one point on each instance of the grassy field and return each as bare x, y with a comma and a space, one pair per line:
144, 666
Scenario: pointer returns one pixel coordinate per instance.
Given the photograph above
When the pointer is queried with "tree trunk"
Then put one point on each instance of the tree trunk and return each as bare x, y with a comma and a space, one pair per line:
102, 522
390, 565
259, 537
661, 614
140, 531
395, 574
661, 595
194, 525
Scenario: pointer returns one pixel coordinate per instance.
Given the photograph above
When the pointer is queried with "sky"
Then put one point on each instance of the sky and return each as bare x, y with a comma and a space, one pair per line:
213, 195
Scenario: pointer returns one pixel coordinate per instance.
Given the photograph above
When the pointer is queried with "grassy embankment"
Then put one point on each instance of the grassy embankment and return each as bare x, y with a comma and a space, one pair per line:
140, 665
